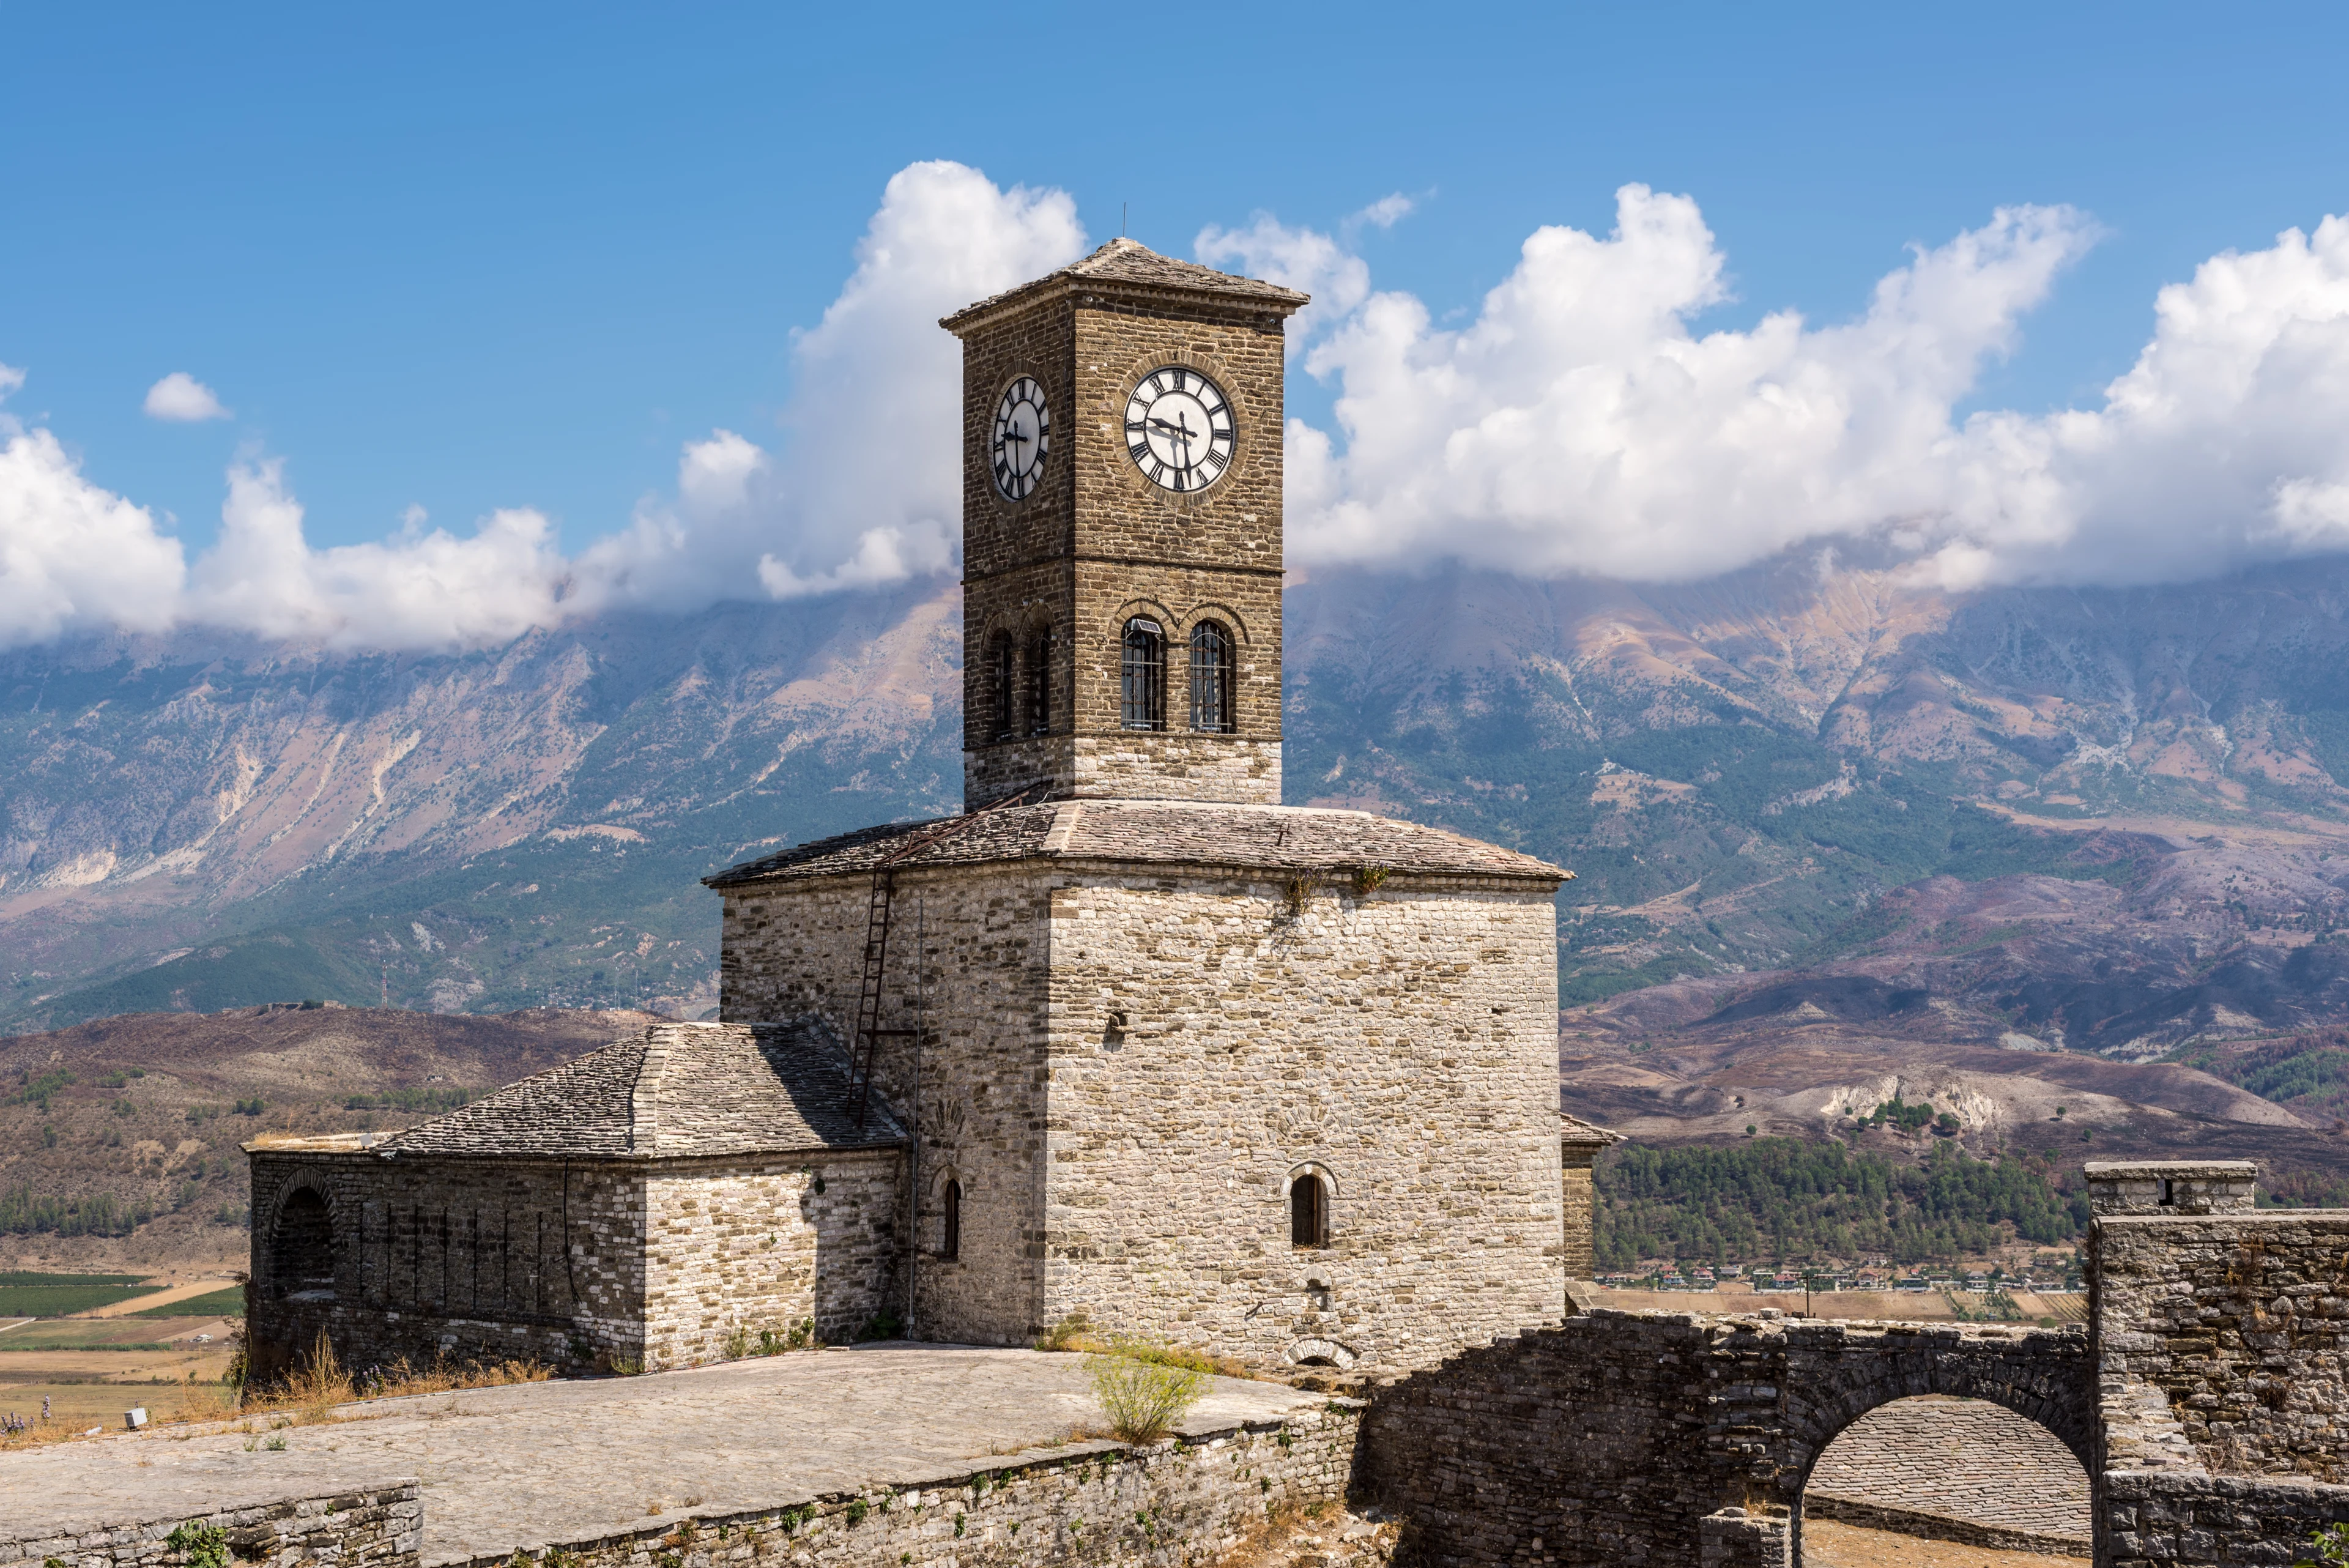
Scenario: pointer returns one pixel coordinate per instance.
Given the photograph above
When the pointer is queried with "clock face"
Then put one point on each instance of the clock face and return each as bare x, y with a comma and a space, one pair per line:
1178, 429
1023, 434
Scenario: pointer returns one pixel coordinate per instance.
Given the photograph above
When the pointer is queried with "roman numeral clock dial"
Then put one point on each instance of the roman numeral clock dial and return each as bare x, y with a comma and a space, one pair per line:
1022, 435
1178, 430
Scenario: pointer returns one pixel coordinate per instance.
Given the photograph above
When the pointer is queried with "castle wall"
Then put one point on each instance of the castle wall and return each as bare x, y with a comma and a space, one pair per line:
752, 1245
1400, 1045
648, 1262
792, 949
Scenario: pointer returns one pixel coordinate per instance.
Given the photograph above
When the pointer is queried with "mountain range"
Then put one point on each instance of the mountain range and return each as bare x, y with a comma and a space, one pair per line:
1809, 801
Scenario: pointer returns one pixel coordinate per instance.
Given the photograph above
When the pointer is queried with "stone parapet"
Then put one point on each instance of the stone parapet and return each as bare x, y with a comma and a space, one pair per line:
1733, 1538
2168, 1521
2172, 1187
371, 1525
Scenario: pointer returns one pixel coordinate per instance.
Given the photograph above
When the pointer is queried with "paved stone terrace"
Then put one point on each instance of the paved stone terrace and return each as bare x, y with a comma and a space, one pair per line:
1966, 1458
521, 1467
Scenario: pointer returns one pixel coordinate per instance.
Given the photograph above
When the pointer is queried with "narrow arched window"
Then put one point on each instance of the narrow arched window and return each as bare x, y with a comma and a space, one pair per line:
302, 1252
1308, 1212
1144, 670
1211, 679
1040, 683
950, 1245
1003, 671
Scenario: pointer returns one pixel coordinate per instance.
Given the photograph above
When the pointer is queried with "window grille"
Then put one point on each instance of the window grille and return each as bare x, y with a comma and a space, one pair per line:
1007, 704
951, 1245
1308, 1212
1143, 668
1040, 683
1211, 679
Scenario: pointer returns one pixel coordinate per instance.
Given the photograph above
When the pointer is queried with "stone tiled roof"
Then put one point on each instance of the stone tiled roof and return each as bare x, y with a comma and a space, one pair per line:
1129, 261
1572, 1128
684, 1090
1278, 839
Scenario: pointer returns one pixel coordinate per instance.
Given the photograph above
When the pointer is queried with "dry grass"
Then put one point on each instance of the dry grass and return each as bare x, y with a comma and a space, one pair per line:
1075, 1332
312, 1390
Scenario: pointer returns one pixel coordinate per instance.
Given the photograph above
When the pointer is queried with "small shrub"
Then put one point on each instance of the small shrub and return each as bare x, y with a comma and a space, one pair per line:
738, 1341
275, 1444
626, 1365
203, 1545
1143, 1397
882, 1324
857, 1508
2332, 1544
1367, 880
1073, 1332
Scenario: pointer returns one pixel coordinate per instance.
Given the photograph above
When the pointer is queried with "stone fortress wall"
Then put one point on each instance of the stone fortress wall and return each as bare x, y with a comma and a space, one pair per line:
1216, 1024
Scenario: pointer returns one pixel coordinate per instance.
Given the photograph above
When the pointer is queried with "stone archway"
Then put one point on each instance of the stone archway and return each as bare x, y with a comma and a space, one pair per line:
302, 1245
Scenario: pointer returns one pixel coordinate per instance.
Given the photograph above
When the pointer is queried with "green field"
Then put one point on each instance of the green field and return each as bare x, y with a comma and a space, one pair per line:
24, 1294
229, 1303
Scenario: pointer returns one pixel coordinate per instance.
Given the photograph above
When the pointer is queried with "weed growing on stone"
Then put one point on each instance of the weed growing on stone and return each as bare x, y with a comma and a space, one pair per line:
2332, 1544
1143, 1395
857, 1508
200, 1544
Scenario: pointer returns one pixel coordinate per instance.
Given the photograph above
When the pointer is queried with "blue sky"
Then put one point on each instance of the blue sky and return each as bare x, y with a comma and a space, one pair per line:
471, 258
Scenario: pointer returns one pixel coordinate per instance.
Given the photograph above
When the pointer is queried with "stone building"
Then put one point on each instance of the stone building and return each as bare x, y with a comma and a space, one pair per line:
1131, 1039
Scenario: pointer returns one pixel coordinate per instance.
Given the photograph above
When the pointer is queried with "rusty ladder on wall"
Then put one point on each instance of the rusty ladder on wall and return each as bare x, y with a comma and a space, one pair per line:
869, 1033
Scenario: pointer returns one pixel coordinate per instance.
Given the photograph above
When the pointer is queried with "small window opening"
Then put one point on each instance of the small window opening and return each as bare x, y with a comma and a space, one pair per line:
951, 1245
1143, 666
304, 1256
1308, 1212
1006, 701
1211, 679
2169, 1196
1040, 683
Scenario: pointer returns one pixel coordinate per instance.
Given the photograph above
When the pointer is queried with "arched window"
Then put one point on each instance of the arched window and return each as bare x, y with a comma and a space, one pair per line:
1143, 668
1211, 680
1040, 683
301, 1253
1309, 1212
950, 1245
1007, 691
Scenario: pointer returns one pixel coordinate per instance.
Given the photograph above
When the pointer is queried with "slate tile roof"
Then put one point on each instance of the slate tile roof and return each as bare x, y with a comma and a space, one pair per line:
1573, 1129
1279, 839
684, 1090
1124, 261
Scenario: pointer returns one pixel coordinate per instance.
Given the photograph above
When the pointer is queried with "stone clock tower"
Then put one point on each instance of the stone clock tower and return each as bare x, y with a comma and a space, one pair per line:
1121, 474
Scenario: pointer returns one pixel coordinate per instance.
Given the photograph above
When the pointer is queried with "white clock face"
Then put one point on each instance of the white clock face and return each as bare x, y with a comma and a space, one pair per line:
1023, 434
1178, 430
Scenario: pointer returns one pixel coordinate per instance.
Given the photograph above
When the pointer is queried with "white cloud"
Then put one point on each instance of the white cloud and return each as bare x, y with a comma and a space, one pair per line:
864, 489
182, 400
1579, 423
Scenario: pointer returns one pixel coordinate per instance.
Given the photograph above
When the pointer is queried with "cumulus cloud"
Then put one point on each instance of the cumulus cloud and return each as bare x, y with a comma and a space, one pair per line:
181, 399
863, 488
867, 485
1579, 421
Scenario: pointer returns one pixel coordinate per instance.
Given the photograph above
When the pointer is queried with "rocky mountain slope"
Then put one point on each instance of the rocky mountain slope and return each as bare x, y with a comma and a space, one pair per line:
2040, 824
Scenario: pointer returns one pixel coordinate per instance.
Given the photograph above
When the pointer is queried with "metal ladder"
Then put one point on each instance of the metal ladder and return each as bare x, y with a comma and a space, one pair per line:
869, 1033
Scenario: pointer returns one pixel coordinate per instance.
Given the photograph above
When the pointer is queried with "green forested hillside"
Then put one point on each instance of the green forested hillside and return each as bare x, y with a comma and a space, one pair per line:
1780, 1199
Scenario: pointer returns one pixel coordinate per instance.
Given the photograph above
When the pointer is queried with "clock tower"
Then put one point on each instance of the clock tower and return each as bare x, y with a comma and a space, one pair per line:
1121, 533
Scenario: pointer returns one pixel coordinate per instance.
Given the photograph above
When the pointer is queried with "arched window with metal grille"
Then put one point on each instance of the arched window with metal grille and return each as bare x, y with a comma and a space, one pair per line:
1004, 673
1039, 682
1211, 679
1142, 671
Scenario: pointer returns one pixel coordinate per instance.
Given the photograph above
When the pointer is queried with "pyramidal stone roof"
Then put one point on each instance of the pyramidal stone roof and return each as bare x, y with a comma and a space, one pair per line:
1280, 840
684, 1091
1126, 263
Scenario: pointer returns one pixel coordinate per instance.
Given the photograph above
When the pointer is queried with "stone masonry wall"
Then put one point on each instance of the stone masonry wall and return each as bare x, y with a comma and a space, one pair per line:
2222, 1342
483, 1259
795, 951
1095, 543
1167, 1507
2158, 1519
1400, 1047
1609, 1439
754, 1245
375, 1526
1577, 1212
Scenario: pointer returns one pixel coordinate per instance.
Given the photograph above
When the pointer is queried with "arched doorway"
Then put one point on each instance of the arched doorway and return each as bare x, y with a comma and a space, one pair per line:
301, 1245
1937, 1479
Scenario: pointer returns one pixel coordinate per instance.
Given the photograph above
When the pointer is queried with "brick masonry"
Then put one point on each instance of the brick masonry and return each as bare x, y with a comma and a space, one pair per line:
369, 1526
